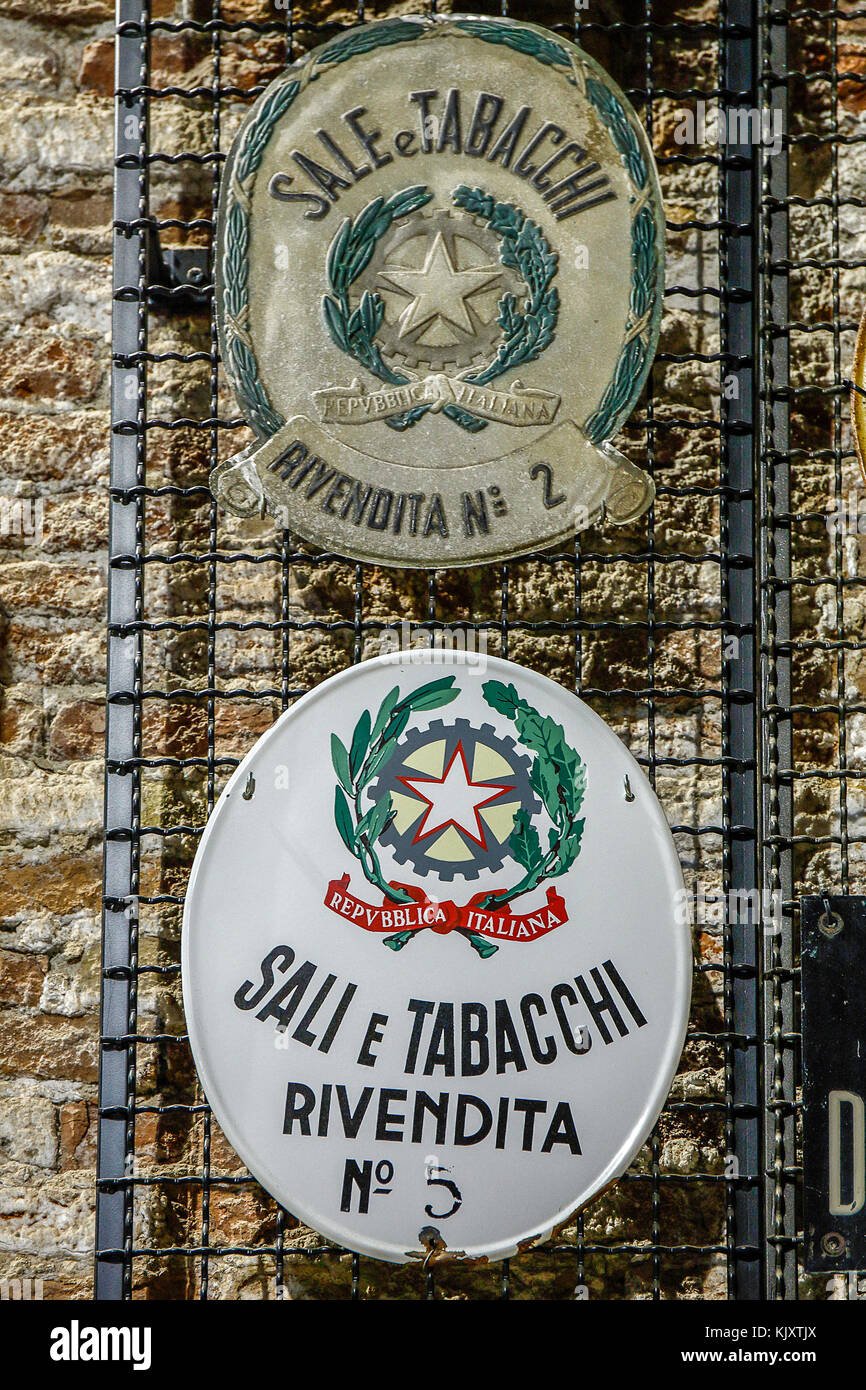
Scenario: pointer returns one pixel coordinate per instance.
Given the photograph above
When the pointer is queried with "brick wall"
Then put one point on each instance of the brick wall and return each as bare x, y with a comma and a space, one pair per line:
55, 304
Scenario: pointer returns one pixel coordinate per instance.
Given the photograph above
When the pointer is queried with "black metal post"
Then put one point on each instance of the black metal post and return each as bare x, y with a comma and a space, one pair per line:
775, 609
120, 914
738, 286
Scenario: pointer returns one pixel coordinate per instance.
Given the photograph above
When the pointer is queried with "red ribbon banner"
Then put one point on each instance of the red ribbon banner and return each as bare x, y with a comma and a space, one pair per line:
443, 917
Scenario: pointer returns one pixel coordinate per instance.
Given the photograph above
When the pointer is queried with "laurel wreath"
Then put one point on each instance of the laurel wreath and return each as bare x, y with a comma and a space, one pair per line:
644, 305
355, 330
557, 775
523, 247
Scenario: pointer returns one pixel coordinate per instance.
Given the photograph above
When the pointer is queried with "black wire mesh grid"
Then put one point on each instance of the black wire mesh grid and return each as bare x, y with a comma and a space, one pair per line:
678, 631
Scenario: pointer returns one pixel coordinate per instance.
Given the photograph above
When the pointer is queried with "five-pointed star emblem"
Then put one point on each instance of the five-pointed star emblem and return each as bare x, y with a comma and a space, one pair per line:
454, 799
438, 289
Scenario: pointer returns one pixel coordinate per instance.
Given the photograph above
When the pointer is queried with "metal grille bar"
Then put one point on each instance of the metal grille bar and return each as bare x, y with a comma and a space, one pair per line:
738, 281
775, 563
123, 713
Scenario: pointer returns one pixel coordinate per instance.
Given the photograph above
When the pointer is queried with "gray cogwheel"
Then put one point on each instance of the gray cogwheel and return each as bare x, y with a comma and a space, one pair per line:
405, 845
469, 349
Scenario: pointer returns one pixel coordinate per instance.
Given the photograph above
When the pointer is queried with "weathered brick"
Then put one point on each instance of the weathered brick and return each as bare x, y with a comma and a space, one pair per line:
21, 978
78, 730
48, 1048
55, 145
61, 658
22, 216
20, 727
62, 883
30, 65
78, 1130
60, 11
96, 73
77, 522
82, 224
55, 304
852, 59
50, 368
28, 1129
34, 586
72, 984
70, 449
170, 58
44, 801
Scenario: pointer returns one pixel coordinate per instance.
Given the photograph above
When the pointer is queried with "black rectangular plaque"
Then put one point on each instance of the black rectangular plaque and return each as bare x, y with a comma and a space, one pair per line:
834, 1081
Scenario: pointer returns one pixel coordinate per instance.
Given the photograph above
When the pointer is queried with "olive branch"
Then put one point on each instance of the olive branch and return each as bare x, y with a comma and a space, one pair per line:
374, 742
558, 776
350, 254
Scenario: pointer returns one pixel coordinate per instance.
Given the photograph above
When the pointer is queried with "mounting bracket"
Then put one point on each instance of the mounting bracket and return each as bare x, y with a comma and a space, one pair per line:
179, 278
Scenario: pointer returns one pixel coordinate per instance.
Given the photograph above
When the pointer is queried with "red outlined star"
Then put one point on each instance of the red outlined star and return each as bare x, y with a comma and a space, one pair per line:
451, 800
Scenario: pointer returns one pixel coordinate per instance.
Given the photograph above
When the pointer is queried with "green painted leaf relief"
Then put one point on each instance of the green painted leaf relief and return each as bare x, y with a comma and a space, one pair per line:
558, 776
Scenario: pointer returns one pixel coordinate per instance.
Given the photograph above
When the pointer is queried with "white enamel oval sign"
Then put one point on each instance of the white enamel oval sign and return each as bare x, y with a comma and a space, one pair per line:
435, 965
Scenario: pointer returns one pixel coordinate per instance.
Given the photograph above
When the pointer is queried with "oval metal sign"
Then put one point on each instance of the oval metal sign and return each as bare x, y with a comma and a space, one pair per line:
436, 967
439, 288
